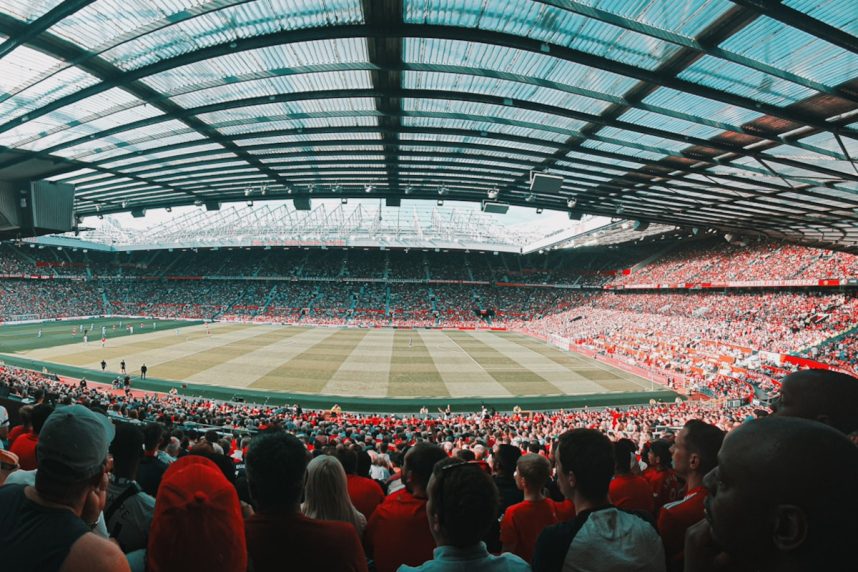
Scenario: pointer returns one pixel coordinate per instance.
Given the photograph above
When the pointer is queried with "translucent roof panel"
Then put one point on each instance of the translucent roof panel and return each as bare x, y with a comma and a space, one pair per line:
774, 43
19, 90
154, 156
738, 79
838, 13
323, 81
671, 124
487, 127
502, 88
430, 51
700, 106
465, 141
547, 24
253, 64
273, 123
244, 20
627, 149
687, 18
497, 113
28, 10
287, 108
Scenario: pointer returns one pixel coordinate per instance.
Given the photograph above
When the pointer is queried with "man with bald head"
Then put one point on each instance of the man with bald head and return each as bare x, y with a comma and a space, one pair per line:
783, 498
821, 395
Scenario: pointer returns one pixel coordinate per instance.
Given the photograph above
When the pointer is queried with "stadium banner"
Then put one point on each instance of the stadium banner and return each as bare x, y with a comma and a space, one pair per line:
804, 362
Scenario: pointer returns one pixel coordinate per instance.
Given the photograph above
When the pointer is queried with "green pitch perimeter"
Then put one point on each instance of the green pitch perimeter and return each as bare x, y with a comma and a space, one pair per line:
370, 369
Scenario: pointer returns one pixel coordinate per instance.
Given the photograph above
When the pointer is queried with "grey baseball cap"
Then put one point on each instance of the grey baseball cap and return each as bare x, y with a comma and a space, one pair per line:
73, 443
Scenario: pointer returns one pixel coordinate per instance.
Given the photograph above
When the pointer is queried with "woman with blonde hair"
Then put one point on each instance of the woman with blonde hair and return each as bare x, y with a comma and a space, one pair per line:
326, 494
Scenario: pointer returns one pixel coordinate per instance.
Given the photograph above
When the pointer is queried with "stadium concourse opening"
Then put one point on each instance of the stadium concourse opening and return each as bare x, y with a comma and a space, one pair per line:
507, 270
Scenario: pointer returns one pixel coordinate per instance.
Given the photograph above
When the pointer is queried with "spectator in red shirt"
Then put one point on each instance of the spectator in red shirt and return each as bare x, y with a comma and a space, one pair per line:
278, 535
25, 445
783, 497
628, 491
523, 522
25, 413
398, 531
695, 453
660, 475
366, 494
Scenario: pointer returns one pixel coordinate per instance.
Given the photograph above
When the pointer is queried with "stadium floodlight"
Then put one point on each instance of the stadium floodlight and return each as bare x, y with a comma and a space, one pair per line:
570, 203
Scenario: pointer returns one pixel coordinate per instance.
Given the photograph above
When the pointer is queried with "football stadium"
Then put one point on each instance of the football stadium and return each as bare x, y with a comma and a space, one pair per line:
283, 265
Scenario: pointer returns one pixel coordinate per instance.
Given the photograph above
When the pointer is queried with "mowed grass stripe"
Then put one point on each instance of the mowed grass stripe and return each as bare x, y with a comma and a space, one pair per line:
185, 366
311, 370
412, 369
507, 372
114, 353
24, 337
603, 375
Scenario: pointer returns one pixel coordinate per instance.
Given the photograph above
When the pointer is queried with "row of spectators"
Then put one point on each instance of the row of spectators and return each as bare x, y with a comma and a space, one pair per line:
590, 489
710, 260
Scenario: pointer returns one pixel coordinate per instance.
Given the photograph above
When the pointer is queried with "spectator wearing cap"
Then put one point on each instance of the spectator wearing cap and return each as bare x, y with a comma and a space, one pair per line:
398, 532
628, 491
128, 510
600, 537
47, 527
8, 464
25, 445
197, 523
462, 506
278, 535
523, 522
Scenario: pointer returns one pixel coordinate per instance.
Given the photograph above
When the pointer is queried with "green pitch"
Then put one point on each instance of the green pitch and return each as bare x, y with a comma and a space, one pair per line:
22, 337
365, 363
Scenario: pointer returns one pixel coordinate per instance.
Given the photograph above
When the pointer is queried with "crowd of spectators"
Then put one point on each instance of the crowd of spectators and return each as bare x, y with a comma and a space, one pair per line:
606, 489
717, 261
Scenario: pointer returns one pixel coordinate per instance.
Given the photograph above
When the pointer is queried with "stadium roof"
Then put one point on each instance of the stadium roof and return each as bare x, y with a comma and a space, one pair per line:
739, 115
